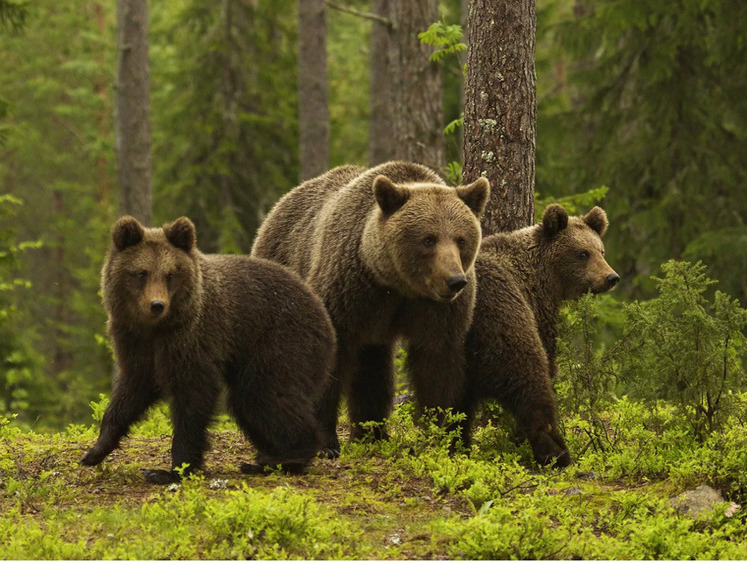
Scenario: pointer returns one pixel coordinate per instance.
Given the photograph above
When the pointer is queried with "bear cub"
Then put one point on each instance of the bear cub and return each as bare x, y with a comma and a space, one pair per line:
522, 279
183, 323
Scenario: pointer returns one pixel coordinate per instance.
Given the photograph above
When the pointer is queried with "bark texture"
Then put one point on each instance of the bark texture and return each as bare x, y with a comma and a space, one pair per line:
380, 145
500, 113
132, 111
416, 85
313, 108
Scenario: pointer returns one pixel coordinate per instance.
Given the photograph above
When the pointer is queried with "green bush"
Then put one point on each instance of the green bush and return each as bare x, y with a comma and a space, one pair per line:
687, 348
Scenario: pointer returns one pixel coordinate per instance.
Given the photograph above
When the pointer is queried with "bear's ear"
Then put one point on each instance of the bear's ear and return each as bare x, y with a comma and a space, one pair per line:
596, 219
389, 197
181, 233
127, 232
475, 195
554, 220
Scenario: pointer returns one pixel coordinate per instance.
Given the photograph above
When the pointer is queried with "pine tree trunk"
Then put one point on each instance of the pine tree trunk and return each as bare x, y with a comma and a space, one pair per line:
500, 111
313, 109
132, 111
380, 145
416, 85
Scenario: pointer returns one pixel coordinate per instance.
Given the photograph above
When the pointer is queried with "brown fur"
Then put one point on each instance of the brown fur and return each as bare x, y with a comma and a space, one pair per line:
523, 277
183, 323
390, 250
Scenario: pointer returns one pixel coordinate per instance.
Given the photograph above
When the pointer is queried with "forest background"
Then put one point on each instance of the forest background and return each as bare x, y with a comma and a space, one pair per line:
641, 108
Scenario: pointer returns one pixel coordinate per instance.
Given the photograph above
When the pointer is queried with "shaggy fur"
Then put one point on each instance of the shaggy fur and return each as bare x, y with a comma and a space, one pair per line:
523, 277
390, 250
183, 323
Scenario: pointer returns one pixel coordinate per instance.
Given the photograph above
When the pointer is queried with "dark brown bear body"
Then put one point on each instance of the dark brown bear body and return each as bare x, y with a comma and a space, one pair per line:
522, 279
183, 323
390, 250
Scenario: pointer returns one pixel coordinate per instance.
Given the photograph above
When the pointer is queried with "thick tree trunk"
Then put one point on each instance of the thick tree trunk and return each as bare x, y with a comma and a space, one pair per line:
313, 109
500, 111
380, 145
132, 111
416, 85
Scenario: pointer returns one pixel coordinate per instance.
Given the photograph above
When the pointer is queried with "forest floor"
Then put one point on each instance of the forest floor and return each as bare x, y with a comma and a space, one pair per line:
398, 500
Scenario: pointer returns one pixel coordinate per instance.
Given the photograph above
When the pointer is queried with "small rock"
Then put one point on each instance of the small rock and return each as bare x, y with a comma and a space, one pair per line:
694, 502
574, 491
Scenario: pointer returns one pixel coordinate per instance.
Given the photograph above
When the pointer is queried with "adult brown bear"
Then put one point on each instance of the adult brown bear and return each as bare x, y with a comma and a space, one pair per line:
390, 250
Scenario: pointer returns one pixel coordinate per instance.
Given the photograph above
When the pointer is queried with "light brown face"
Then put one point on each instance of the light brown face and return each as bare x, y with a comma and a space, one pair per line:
574, 252
147, 272
150, 277
583, 266
434, 240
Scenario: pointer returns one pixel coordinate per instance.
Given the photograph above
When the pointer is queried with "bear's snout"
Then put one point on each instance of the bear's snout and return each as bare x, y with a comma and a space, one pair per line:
456, 283
612, 280
157, 307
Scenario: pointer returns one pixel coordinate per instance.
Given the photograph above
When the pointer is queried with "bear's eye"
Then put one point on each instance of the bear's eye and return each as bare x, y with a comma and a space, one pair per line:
142, 275
429, 241
583, 254
169, 276
461, 243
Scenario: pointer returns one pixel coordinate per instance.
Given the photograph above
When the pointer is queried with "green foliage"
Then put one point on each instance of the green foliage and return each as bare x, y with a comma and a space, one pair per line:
575, 203
646, 98
681, 347
447, 38
224, 114
17, 359
588, 373
58, 158
13, 14
687, 348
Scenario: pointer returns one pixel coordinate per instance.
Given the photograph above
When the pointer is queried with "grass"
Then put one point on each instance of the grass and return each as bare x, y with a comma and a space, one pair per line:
406, 498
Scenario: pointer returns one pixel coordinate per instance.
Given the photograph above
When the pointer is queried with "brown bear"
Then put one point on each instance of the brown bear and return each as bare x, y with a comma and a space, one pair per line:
182, 322
390, 250
522, 279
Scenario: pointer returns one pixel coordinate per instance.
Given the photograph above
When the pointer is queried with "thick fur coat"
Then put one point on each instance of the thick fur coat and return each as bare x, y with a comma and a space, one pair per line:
184, 324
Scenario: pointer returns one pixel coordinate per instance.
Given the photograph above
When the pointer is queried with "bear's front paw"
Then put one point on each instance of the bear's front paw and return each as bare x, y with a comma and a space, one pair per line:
92, 457
550, 449
157, 476
329, 452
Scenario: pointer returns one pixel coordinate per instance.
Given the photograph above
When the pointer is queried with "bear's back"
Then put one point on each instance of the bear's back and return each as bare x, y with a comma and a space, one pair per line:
287, 233
251, 303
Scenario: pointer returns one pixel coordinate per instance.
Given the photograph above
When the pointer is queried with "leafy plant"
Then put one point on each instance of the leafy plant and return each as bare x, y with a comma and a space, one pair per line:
687, 348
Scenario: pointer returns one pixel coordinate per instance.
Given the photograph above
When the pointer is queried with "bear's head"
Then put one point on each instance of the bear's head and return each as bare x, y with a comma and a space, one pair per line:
151, 276
574, 252
422, 239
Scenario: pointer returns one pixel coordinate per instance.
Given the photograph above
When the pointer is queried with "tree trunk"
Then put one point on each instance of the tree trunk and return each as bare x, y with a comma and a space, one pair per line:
132, 111
380, 145
104, 116
313, 109
500, 111
416, 85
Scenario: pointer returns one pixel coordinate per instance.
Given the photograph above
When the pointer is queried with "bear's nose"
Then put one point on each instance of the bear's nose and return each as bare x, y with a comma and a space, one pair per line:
456, 283
157, 308
612, 279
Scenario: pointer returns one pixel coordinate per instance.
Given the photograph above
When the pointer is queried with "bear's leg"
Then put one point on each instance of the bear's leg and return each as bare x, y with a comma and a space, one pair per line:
192, 409
328, 406
131, 398
371, 392
509, 363
438, 377
278, 421
326, 411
